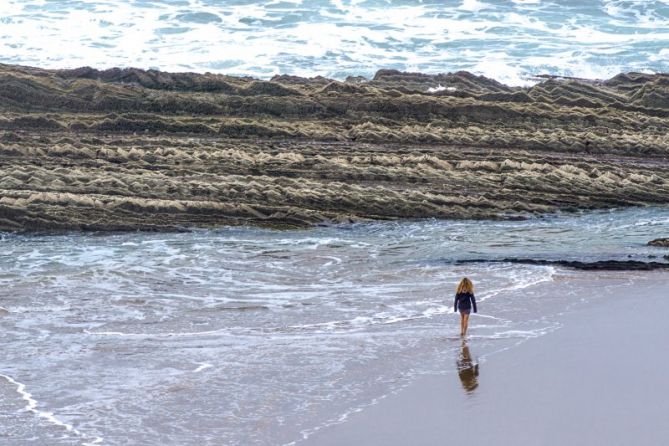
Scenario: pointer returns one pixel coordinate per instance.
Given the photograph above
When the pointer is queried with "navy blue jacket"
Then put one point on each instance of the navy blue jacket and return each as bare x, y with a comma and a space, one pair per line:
464, 301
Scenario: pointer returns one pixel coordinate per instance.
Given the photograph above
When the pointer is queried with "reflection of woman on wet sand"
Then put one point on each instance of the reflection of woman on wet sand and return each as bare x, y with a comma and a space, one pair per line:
467, 369
464, 301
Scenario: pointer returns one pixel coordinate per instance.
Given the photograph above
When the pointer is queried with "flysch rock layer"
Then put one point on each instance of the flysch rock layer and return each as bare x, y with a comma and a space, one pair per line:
131, 149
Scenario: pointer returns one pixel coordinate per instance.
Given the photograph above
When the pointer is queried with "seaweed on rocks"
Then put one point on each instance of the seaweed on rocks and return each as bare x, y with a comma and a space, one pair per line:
127, 149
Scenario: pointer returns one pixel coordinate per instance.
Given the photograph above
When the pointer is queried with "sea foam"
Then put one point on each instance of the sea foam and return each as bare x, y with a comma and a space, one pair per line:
509, 41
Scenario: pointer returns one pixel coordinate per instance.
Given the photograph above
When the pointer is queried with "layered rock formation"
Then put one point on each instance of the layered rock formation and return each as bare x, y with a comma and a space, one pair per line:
128, 149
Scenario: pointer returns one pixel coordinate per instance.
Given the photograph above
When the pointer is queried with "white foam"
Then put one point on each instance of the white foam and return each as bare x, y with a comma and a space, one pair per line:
471, 5
439, 88
202, 366
157, 335
426, 37
31, 406
520, 282
342, 418
334, 260
518, 334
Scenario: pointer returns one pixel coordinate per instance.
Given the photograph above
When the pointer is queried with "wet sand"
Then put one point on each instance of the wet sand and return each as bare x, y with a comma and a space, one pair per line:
600, 379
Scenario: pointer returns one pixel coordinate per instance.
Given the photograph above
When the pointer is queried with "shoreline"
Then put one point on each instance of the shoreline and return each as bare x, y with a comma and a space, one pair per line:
132, 149
597, 380
290, 356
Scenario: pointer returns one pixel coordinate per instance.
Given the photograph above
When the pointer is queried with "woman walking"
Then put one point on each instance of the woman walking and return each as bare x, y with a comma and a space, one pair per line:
464, 301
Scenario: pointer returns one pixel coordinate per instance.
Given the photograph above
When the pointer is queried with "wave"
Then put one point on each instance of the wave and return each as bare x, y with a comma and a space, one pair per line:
31, 406
511, 40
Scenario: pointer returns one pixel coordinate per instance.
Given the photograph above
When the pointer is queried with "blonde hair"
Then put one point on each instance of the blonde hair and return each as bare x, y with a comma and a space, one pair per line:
465, 286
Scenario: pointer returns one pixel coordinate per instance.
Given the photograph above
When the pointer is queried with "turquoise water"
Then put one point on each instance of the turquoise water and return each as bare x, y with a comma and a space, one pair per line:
507, 40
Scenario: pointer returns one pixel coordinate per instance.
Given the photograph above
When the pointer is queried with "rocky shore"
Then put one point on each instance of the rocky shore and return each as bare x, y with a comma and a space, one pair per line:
660, 242
129, 149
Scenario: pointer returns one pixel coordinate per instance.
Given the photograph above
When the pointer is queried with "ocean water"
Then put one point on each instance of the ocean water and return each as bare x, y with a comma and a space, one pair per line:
510, 40
245, 336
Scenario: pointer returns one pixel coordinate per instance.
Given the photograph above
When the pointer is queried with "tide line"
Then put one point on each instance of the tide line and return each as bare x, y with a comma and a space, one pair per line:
31, 406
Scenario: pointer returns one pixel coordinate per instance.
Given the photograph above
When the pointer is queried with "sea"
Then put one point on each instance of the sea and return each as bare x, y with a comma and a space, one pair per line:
509, 40
249, 336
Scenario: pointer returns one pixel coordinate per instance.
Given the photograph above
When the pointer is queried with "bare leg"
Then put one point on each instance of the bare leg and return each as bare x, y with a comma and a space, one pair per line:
462, 324
465, 323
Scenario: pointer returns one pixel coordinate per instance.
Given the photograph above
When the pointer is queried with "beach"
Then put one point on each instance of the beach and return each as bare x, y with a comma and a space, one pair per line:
599, 379
243, 223
233, 260
335, 335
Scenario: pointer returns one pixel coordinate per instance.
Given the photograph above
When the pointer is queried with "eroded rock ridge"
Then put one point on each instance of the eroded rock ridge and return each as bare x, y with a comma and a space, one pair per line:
126, 149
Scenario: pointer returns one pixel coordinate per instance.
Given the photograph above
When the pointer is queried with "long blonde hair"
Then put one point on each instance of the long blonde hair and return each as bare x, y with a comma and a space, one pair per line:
465, 286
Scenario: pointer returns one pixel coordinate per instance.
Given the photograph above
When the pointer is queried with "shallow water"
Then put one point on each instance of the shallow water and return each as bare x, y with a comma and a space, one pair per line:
253, 336
507, 40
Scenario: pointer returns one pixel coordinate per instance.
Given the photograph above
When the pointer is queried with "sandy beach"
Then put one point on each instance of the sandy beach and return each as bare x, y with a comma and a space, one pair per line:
599, 379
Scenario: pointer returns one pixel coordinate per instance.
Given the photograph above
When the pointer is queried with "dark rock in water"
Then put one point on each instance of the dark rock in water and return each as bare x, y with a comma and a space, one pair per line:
661, 242
297, 80
153, 79
601, 265
629, 79
461, 80
128, 149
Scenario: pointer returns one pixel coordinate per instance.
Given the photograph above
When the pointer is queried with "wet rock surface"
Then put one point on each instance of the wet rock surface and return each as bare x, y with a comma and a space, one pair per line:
127, 149
599, 265
660, 242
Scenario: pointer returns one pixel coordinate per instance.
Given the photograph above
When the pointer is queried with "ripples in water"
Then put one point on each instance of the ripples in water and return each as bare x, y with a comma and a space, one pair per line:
259, 336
